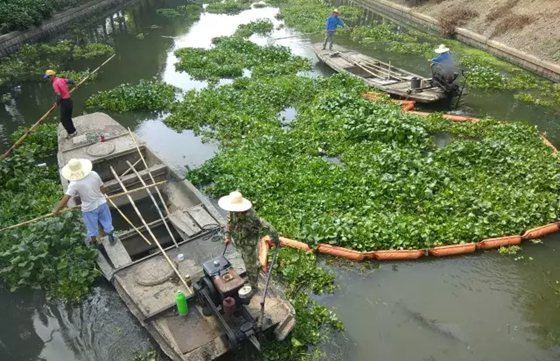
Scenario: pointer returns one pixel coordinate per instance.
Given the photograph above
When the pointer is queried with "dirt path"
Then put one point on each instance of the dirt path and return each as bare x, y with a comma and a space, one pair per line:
529, 25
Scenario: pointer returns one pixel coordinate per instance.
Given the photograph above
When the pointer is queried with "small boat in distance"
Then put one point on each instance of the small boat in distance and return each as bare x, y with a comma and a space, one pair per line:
383, 76
171, 242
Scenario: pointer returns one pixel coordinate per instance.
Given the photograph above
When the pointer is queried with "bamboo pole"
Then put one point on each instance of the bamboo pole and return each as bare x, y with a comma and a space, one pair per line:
128, 220
151, 233
150, 174
37, 123
129, 169
75, 207
154, 201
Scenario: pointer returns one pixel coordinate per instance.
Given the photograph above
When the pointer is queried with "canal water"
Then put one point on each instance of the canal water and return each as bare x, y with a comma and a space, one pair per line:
479, 307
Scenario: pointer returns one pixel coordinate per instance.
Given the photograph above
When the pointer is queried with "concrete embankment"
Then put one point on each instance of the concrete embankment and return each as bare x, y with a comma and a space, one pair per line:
408, 16
11, 42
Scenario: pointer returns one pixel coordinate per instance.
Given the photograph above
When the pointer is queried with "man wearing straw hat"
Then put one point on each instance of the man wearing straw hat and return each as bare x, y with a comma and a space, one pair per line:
86, 183
444, 71
333, 22
246, 229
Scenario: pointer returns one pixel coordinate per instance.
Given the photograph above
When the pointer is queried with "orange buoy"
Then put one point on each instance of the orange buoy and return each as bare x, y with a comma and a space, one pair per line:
341, 252
398, 255
452, 250
499, 242
286, 242
541, 231
263, 254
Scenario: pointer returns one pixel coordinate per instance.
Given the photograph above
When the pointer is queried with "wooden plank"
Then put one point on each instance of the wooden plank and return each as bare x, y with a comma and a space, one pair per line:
117, 253
202, 217
184, 223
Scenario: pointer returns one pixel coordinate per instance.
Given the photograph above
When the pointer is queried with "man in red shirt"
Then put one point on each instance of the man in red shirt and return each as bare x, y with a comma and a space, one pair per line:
60, 86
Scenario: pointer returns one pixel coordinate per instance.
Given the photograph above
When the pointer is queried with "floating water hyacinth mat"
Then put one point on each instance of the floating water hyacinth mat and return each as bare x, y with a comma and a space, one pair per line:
365, 175
232, 55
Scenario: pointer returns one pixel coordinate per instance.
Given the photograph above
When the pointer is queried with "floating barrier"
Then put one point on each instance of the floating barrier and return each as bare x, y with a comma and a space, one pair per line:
340, 252
286, 242
263, 254
452, 250
398, 255
541, 231
499, 242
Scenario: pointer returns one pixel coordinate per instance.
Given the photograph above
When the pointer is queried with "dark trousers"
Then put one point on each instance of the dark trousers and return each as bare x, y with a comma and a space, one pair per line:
66, 115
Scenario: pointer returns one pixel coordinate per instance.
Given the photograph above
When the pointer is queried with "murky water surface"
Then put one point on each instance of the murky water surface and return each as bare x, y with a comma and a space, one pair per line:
480, 307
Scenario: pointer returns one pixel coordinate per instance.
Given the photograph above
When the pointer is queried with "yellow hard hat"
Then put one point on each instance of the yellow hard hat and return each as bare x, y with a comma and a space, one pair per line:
48, 73
335, 11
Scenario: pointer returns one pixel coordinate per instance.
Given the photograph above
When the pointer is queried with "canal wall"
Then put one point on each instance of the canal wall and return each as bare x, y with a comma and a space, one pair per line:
407, 16
11, 42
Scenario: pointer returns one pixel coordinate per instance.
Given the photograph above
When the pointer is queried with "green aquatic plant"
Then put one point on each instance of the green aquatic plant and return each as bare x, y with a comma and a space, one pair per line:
511, 250
365, 175
31, 61
50, 254
232, 55
147, 95
230, 7
261, 27
42, 140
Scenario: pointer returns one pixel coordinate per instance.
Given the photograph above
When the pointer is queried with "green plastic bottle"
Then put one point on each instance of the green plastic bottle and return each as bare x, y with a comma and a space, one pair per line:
181, 302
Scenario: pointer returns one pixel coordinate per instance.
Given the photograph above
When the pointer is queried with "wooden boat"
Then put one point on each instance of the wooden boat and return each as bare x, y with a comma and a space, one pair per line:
140, 273
380, 75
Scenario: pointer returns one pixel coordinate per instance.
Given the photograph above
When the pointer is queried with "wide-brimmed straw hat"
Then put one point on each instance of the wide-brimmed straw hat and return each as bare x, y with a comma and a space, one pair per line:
76, 169
441, 49
234, 202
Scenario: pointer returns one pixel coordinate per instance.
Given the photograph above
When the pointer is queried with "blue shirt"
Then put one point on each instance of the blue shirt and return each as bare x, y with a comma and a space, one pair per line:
333, 21
443, 58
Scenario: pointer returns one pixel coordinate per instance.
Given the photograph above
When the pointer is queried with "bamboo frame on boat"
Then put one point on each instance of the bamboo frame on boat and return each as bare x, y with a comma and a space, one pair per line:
162, 217
153, 181
133, 204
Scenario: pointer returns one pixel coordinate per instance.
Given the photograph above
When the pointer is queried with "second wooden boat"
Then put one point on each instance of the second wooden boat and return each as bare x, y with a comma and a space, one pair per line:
380, 75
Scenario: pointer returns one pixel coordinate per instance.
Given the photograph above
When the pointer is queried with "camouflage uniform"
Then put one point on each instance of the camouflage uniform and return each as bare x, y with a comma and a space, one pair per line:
246, 229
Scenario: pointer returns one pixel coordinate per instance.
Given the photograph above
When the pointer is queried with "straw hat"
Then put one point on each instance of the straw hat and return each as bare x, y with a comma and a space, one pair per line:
76, 169
234, 202
441, 49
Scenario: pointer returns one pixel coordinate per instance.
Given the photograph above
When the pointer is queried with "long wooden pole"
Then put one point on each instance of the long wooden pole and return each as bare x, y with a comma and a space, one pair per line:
76, 207
151, 176
128, 221
154, 201
152, 234
53, 107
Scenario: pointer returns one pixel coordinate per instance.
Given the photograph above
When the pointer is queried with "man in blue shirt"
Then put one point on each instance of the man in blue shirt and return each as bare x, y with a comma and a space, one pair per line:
444, 71
443, 56
333, 22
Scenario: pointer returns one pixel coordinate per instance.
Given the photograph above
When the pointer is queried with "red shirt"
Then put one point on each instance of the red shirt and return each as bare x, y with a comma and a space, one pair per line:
60, 86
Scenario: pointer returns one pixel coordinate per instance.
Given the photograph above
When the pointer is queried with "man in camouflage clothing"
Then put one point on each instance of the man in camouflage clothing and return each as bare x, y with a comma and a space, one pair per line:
246, 229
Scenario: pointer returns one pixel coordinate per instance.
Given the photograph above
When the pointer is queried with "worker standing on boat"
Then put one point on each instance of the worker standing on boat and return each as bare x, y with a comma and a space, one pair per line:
60, 86
333, 22
245, 228
86, 183
444, 71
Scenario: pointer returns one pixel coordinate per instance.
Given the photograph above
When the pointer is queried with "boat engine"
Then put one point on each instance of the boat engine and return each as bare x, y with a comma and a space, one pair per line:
223, 293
